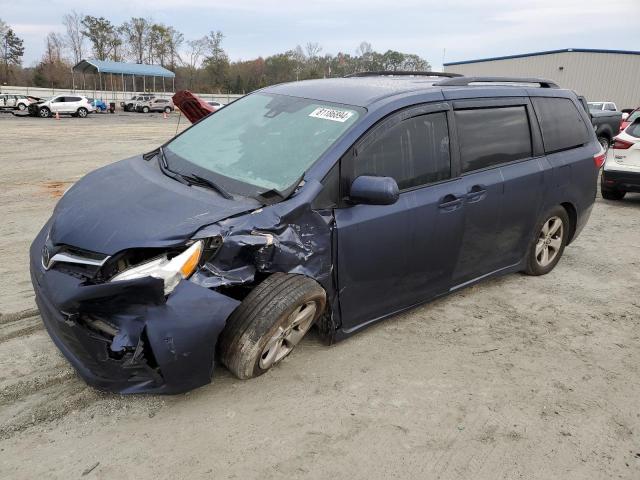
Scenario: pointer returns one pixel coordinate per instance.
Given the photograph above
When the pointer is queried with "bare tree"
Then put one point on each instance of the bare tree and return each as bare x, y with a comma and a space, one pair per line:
196, 51
136, 33
74, 39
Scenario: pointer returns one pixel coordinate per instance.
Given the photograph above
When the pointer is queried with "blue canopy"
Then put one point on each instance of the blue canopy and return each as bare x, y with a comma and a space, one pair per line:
104, 66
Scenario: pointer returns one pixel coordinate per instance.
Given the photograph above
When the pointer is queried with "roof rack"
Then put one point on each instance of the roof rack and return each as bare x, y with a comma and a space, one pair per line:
403, 73
465, 81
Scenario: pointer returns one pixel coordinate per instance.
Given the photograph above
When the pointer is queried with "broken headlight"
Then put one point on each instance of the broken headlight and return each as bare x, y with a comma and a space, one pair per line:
170, 270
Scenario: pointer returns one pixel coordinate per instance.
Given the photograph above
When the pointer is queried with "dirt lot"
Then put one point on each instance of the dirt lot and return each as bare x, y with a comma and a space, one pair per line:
518, 377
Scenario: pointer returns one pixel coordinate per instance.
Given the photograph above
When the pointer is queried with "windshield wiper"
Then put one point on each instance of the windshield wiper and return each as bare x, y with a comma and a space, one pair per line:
195, 179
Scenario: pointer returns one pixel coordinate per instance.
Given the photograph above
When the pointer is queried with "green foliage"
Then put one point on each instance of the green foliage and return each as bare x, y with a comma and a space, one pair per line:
11, 51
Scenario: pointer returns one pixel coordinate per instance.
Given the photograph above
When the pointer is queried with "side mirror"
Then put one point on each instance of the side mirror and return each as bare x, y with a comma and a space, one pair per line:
369, 190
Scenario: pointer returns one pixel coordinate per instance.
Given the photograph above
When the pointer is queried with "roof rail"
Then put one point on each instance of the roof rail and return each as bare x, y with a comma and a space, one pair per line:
403, 73
465, 81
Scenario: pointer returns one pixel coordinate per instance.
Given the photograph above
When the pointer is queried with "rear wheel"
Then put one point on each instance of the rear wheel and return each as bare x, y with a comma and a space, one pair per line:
269, 323
548, 245
82, 112
22, 107
44, 112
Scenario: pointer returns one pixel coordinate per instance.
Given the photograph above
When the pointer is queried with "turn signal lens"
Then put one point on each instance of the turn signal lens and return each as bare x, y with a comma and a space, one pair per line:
190, 264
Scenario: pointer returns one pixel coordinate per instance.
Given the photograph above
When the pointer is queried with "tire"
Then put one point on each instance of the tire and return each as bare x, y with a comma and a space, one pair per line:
44, 112
553, 241
167, 109
22, 107
268, 324
613, 194
82, 112
145, 109
605, 142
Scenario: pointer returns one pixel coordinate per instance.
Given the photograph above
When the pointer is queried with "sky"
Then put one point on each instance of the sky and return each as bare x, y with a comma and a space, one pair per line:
434, 29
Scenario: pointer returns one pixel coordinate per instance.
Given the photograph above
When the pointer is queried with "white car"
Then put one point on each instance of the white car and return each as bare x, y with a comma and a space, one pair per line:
608, 106
75, 105
15, 102
621, 172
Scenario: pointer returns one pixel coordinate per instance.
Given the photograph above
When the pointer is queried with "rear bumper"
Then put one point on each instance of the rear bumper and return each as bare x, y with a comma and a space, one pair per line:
621, 180
161, 345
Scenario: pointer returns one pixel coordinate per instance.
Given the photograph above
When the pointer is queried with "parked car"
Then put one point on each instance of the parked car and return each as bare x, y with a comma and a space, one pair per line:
631, 117
155, 105
603, 106
99, 105
73, 105
621, 172
606, 123
335, 202
129, 105
15, 102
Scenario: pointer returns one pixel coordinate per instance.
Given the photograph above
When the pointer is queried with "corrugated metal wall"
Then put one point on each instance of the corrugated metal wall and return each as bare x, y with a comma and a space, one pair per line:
598, 76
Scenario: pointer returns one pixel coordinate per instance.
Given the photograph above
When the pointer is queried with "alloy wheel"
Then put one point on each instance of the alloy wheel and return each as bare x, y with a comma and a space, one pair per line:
288, 335
549, 241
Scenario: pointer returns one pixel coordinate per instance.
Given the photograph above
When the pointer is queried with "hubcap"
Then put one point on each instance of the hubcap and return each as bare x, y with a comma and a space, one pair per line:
549, 241
288, 335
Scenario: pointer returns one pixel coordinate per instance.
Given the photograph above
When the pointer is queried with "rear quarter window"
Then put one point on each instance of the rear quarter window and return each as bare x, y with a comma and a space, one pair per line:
492, 136
561, 124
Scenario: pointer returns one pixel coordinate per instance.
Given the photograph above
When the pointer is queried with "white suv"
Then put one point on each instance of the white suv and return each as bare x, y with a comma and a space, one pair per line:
15, 102
63, 104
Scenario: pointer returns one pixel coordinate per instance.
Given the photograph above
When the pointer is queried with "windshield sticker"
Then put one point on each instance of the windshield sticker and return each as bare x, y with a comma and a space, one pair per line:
331, 114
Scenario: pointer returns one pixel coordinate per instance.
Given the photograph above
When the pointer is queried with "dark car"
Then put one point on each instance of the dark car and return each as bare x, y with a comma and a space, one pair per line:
335, 202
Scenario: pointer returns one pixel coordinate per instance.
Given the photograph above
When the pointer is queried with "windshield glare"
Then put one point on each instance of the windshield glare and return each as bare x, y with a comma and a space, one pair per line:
265, 140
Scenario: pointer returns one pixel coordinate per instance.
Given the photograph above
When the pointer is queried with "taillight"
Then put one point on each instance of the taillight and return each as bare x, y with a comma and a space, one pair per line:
621, 144
599, 159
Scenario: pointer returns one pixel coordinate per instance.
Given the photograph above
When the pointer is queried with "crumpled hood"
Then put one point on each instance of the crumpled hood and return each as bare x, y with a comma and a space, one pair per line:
132, 204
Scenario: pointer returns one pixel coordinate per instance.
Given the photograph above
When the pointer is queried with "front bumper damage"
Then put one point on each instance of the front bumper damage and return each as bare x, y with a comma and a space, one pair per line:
126, 337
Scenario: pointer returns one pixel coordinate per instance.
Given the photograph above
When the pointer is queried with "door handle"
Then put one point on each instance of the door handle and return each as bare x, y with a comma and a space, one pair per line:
476, 193
450, 202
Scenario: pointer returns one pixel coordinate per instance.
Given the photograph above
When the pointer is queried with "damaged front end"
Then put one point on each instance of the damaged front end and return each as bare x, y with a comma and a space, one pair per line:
128, 327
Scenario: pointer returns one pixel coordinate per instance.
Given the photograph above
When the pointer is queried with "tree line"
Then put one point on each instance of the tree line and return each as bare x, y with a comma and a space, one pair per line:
200, 64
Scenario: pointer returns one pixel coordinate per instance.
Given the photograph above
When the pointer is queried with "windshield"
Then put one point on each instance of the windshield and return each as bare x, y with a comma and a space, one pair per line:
264, 140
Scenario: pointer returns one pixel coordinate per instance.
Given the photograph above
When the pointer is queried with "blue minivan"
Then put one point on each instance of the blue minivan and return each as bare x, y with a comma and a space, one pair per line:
334, 203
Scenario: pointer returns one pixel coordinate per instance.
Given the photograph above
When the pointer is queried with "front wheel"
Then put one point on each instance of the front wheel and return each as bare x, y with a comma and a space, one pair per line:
44, 112
548, 244
269, 323
167, 109
145, 109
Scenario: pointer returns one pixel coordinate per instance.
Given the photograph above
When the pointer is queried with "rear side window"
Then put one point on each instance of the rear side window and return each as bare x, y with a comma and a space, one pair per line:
414, 152
492, 136
561, 124
634, 129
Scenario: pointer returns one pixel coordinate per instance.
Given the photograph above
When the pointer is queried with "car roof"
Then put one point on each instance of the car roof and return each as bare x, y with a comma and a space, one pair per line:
363, 91
359, 91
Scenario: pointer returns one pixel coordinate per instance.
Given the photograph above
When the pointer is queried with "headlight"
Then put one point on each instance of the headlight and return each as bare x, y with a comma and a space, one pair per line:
171, 271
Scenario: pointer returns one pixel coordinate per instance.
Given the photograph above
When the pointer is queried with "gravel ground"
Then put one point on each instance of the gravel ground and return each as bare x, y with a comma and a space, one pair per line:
519, 377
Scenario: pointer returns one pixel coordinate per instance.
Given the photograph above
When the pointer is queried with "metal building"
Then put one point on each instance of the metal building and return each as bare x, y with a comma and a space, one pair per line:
611, 75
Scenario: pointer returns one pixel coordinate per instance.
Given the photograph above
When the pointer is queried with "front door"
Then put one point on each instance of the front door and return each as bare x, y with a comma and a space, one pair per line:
57, 105
391, 257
